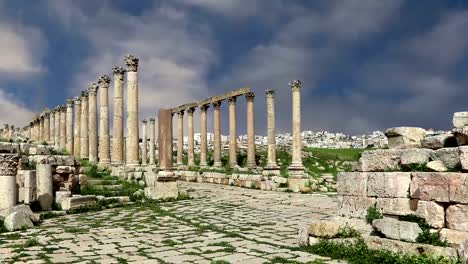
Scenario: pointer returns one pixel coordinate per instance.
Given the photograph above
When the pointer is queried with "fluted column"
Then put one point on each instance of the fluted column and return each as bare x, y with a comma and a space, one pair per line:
57, 127
152, 137
203, 134
47, 126
132, 145
296, 168
52, 127
232, 133
271, 134
144, 146
69, 127
118, 132
104, 137
84, 126
191, 151
41, 129
251, 163
180, 138
92, 123
77, 128
63, 127
217, 134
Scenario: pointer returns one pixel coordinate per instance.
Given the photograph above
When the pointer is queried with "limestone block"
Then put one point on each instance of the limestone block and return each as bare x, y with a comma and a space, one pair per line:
150, 178
297, 184
436, 165
138, 175
61, 195
388, 184
398, 230
454, 237
8, 193
439, 141
456, 217
162, 190
64, 169
19, 208
326, 229
464, 157
460, 119
430, 186
458, 184
415, 156
77, 201
82, 179
449, 156
352, 183
7, 147
433, 212
354, 206
405, 137
17, 221
396, 206
29, 179
303, 235
463, 251
461, 135
381, 160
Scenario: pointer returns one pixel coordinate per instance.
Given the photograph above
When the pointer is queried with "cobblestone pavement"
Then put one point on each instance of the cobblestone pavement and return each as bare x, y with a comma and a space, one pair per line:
223, 224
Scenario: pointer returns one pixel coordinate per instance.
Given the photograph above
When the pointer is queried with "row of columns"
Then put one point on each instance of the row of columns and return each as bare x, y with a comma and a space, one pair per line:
152, 138
76, 130
8, 131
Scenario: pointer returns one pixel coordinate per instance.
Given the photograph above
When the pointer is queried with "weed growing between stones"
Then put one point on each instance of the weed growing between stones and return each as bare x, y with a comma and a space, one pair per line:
220, 262
2, 226
372, 214
426, 237
348, 232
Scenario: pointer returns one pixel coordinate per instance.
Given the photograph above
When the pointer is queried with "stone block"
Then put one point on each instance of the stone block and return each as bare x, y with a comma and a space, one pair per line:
464, 157
64, 169
388, 184
433, 212
9, 192
381, 160
352, 183
7, 147
78, 201
437, 166
458, 184
354, 206
29, 179
398, 230
405, 137
162, 190
456, 217
61, 195
325, 229
449, 156
461, 135
396, 206
439, 141
415, 156
17, 221
460, 119
297, 184
454, 237
430, 186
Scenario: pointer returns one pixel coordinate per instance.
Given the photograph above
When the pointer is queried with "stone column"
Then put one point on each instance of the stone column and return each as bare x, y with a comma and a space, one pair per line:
191, 151
77, 128
7, 127
251, 163
47, 126
84, 152
8, 171
41, 129
92, 123
180, 138
44, 184
118, 136
57, 127
217, 134
133, 135
152, 137
63, 127
144, 146
203, 139
296, 168
232, 133
104, 137
52, 127
69, 127
271, 136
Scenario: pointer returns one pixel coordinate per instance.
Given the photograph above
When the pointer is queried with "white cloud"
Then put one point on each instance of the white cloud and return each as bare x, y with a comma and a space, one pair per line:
14, 112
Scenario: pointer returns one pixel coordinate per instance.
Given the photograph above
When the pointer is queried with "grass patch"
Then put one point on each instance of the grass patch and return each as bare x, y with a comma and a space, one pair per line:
75, 230
336, 154
372, 214
426, 237
170, 242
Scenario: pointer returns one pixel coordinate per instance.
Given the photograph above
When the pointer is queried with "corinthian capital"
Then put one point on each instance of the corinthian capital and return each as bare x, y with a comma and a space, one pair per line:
295, 85
270, 92
132, 63
104, 80
77, 100
70, 102
84, 94
92, 89
9, 164
250, 96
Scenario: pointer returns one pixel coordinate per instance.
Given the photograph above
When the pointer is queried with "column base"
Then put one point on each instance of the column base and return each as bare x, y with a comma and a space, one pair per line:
203, 165
132, 164
271, 172
218, 164
164, 186
296, 170
251, 165
117, 163
296, 184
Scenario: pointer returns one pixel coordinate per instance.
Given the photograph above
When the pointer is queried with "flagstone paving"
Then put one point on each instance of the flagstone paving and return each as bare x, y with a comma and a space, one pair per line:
222, 224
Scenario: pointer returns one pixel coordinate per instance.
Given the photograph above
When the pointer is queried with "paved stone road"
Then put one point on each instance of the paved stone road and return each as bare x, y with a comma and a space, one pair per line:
223, 224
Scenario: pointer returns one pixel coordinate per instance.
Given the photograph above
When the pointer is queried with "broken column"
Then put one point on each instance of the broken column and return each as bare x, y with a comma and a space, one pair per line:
203, 134
92, 123
8, 171
77, 128
84, 152
117, 137
251, 163
132, 145
63, 124
296, 169
104, 137
180, 138
144, 146
152, 136
69, 127
190, 151
271, 166
217, 134
232, 133
44, 184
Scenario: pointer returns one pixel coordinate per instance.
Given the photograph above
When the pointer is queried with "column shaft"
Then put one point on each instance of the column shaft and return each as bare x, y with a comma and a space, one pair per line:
296, 164
118, 136
190, 150
52, 128
251, 163
152, 137
203, 139
271, 134
57, 127
217, 134
84, 126
92, 123
180, 138
63, 127
144, 146
69, 127
77, 128
232, 133
132, 145
104, 137
47, 127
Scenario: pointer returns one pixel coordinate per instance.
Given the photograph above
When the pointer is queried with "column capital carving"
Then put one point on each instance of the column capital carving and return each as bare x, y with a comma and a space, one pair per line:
232, 100
180, 113
250, 96
144, 121
152, 120
57, 109
104, 80
217, 105
92, 89
9, 164
132, 63
118, 70
270, 92
204, 107
190, 110
295, 85
77, 100
84, 94
70, 102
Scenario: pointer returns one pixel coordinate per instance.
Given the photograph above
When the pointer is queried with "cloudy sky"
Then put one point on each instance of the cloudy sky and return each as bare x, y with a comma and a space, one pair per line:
364, 64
